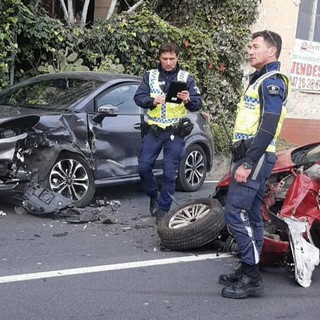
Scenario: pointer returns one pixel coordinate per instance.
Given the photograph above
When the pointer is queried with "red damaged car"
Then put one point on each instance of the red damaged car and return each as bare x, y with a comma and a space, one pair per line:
291, 215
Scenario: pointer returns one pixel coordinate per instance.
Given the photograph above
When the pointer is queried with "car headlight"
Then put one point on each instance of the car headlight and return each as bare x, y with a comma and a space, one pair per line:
8, 133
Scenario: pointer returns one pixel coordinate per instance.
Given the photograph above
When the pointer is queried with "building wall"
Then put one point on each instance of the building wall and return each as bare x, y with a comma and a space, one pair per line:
281, 16
101, 8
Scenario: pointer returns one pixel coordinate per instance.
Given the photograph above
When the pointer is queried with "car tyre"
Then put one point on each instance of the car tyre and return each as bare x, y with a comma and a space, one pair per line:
192, 169
192, 225
71, 177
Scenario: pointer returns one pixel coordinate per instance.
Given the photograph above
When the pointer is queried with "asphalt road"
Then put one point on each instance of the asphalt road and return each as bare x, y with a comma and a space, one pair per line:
51, 269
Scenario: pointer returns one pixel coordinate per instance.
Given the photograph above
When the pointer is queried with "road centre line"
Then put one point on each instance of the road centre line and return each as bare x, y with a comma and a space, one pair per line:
110, 267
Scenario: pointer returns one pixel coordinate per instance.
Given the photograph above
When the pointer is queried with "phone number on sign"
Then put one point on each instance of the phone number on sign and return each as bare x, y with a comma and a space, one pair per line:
305, 83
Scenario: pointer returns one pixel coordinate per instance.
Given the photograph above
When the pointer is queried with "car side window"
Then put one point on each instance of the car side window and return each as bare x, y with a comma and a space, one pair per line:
55, 94
121, 97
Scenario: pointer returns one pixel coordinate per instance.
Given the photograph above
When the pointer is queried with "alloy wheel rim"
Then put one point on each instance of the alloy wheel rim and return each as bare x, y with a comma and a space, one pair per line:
188, 215
194, 168
69, 178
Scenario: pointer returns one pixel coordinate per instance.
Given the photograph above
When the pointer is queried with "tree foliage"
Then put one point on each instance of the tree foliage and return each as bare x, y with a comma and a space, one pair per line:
9, 25
212, 36
29, 38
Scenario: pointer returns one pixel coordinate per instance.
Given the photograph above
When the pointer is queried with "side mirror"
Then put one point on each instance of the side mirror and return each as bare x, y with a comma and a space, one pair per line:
107, 110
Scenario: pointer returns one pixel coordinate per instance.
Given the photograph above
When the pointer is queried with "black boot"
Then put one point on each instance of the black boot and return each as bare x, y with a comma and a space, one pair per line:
159, 215
229, 279
249, 284
154, 207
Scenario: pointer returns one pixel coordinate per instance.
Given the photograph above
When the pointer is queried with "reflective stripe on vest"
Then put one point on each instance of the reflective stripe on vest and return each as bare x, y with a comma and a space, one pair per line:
248, 112
167, 114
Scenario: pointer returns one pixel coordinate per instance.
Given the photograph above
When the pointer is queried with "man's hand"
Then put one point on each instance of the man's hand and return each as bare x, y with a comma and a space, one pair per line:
242, 174
184, 96
159, 100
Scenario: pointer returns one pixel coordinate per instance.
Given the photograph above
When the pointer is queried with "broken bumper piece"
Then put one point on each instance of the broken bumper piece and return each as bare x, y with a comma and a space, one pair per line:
38, 200
305, 254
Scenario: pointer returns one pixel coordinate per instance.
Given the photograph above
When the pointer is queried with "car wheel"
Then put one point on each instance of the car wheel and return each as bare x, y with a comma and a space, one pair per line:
193, 169
72, 177
192, 225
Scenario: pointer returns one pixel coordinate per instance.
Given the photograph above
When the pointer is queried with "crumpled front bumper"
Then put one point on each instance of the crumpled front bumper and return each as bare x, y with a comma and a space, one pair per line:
11, 174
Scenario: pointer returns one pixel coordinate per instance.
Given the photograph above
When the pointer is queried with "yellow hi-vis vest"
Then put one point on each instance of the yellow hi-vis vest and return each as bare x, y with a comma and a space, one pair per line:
167, 114
249, 113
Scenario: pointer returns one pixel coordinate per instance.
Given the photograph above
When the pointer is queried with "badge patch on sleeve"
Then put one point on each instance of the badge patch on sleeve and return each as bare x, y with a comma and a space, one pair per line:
273, 89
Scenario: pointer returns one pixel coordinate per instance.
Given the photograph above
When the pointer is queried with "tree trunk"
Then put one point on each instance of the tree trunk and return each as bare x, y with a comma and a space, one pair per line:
65, 12
134, 7
84, 13
36, 6
111, 8
71, 12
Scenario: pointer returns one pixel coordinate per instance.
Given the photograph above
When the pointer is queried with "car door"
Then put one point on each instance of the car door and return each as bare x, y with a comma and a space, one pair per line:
116, 143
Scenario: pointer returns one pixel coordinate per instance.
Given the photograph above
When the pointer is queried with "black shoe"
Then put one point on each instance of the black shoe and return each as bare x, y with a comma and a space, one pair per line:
160, 215
154, 207
231, 278
250, 284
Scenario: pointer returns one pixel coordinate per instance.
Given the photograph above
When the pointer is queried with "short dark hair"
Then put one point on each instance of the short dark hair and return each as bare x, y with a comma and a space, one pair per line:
169, 47
272, 38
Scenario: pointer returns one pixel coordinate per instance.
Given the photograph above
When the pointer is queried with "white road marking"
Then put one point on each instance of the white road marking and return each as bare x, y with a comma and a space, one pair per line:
211, 181
110, 267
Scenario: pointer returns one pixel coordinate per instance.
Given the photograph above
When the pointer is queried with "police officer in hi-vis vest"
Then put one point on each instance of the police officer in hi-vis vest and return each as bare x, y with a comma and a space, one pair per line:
260, 114
164, 125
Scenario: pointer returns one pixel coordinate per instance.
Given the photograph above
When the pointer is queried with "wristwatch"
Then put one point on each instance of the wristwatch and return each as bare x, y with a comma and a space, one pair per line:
246, 165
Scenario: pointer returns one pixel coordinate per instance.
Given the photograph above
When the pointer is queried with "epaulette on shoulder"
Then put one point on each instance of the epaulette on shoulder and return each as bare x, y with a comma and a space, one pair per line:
276, 76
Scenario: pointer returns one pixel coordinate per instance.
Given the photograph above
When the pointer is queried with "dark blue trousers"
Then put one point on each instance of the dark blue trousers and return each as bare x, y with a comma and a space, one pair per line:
173, 152
243, 210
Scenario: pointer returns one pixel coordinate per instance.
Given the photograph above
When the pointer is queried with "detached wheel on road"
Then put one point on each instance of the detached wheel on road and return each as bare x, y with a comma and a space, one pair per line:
193, 169
71, 176
192, 225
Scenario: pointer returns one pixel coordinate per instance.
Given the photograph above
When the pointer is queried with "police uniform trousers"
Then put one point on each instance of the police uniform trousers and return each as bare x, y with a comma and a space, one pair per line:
173, 152
243, 210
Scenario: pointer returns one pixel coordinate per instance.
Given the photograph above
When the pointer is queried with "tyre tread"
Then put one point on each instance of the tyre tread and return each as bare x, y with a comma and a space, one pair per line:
197, 234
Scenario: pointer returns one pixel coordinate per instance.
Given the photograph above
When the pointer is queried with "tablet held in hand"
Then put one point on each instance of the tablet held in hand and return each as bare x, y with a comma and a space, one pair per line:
174, 88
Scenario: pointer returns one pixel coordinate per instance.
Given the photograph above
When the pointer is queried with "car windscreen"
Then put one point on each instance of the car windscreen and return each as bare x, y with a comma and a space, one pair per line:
307, 154
53, 94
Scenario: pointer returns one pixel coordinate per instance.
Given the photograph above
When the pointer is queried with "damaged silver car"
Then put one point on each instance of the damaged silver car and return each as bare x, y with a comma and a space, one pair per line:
74, 132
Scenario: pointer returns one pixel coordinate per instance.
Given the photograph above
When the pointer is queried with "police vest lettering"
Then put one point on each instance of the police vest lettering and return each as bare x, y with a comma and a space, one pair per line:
248, 112
167, 114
